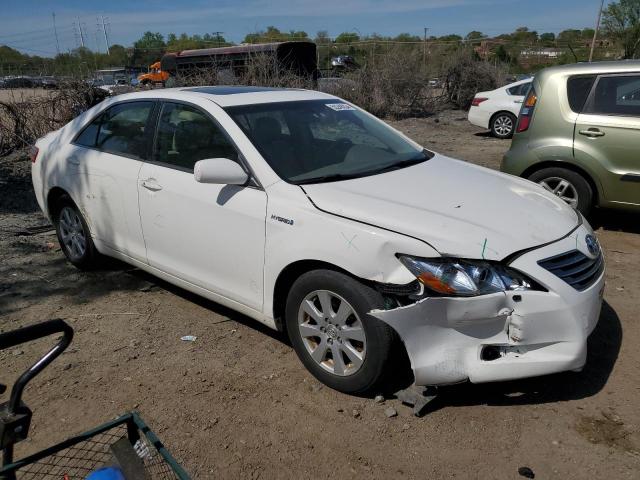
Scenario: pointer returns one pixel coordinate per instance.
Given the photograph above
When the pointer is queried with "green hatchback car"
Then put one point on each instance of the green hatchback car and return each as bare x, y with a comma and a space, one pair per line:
578, 134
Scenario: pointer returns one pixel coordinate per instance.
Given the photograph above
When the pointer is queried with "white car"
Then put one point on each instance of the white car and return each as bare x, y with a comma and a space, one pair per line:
498, 109
313, 217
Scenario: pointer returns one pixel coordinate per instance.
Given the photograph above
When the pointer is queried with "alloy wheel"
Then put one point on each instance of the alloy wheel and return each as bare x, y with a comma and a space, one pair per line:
332, 332
72, 233
503, 125
561, 188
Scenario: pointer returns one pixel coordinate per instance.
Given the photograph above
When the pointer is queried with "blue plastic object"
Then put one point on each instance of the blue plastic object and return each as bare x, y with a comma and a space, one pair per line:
106, 473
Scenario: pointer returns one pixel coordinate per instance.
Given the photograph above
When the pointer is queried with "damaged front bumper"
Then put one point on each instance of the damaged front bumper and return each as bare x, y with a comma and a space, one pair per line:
502, 336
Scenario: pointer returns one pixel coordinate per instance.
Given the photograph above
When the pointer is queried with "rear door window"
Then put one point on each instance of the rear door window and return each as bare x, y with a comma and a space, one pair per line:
89, 135
186, 135
578, 89
616, 95
520, 90
121, 129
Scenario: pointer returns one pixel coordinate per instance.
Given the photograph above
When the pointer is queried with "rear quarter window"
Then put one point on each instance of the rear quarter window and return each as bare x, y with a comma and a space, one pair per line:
578, 89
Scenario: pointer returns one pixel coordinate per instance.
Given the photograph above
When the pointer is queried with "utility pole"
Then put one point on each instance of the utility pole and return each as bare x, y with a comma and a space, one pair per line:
106, 37
81, 33
595, 32
424, 47
55, 32
218, 36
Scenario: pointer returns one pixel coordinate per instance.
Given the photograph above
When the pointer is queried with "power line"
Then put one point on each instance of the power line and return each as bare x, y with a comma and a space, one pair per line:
20, 34
29, 49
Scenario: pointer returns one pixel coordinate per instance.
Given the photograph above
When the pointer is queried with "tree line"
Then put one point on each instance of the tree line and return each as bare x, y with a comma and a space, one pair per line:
620, 28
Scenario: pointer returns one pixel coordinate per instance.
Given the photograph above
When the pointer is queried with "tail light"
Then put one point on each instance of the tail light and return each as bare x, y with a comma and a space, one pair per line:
477, 101
526, 112
33, 153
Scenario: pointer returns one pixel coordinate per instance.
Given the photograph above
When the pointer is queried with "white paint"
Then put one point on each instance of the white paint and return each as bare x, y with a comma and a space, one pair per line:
219, 170
498, 100
444, 336
229, 243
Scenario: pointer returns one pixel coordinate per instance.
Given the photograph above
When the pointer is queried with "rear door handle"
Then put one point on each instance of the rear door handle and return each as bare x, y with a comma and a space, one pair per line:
74, 160
151, 184
591, 132
517, 101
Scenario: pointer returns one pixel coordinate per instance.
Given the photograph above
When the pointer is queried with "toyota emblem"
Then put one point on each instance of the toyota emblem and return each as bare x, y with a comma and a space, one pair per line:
592, 244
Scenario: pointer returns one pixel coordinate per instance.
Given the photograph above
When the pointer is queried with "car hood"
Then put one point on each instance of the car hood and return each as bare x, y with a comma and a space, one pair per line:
458, 208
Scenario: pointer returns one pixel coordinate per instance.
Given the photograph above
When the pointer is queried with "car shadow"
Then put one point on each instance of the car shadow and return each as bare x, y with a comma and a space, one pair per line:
615, 220
232, 315
483, 134
603, 347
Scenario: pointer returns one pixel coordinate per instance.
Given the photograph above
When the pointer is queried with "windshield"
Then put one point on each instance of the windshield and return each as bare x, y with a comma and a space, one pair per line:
324, 140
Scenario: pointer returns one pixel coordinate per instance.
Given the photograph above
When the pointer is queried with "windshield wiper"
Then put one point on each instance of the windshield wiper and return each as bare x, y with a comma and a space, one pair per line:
334, 177
399, 165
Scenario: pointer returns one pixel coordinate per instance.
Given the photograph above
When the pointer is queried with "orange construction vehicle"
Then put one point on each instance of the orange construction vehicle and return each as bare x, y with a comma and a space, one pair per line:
155, 75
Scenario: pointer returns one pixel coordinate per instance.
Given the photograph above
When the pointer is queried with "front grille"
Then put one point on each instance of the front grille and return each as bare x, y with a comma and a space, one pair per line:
575, 268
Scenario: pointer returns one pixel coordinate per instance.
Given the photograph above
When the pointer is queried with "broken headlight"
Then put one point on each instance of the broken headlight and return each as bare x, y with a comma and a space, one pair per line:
467, 278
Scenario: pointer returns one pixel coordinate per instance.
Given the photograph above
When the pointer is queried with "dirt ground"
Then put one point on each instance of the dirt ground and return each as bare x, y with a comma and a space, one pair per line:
237, 403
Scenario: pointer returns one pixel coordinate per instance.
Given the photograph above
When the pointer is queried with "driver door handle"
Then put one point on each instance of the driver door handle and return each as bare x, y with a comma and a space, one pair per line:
151, 184
591, 132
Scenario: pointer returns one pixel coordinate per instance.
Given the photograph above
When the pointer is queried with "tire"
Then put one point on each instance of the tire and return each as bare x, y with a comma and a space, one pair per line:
364, 363
503, 124
572, 187
74, 235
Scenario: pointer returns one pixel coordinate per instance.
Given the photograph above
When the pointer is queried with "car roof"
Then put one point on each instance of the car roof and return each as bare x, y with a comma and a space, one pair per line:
519, 82
618, 66
228, 96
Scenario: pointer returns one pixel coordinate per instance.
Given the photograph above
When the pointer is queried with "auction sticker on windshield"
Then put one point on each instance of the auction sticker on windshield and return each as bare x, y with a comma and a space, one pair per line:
339, 106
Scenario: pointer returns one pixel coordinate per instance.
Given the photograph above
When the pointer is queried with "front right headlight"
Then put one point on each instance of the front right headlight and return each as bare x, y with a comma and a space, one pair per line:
465, 278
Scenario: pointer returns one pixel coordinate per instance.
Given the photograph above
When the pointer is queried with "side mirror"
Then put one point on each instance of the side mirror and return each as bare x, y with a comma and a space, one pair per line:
219, 170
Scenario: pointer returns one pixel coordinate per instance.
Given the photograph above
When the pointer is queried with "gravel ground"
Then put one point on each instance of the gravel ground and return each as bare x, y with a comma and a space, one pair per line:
236, 402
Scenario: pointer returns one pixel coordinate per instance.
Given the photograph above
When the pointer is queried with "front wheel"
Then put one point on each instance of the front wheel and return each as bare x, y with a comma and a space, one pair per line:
570, 186
333, 334
503, 125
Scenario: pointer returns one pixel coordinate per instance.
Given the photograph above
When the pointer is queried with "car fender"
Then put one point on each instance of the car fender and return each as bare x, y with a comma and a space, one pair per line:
296, 230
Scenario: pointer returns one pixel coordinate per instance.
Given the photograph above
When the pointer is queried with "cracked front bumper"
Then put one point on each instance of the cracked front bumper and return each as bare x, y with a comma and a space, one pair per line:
538, 333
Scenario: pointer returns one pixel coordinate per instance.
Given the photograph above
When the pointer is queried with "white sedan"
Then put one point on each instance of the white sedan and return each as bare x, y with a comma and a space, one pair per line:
498, 109
315, 218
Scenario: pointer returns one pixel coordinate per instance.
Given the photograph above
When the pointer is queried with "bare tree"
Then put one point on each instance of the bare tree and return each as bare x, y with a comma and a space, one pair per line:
621, 21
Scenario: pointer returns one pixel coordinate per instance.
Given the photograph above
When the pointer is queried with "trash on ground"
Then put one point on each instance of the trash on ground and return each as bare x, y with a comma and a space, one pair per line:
526, 472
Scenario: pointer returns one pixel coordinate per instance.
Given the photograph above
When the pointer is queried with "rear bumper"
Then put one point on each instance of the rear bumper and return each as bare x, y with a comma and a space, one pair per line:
447, 339
519, 157
479, 117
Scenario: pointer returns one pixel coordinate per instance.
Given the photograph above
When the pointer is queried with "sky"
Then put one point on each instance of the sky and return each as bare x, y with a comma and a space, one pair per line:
28, 24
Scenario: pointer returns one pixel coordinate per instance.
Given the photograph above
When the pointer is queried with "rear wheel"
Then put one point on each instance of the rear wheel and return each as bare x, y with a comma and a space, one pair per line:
73, 235
503, 125
333, 334
570, 186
